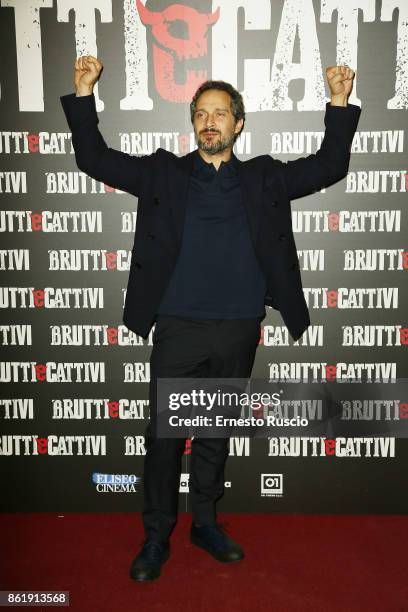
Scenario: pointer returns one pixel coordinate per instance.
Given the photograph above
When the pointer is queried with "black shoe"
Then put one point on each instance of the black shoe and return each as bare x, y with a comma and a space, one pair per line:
214, 540
147, 564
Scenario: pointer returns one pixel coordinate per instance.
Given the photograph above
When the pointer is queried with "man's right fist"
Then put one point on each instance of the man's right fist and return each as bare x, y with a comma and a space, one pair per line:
87, 71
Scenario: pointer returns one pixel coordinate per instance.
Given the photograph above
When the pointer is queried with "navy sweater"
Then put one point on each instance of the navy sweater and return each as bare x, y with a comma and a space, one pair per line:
217, 274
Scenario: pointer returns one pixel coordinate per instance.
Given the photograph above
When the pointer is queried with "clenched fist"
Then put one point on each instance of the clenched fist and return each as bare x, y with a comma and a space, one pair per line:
87, 71
340, 80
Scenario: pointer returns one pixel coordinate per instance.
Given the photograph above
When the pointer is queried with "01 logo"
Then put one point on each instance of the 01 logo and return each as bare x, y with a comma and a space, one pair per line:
271, 484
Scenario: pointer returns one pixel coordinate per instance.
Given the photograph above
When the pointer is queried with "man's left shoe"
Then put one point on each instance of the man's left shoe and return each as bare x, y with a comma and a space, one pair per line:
214, 540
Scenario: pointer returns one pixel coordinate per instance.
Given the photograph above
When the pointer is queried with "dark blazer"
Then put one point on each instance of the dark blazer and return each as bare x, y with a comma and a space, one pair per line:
160, 181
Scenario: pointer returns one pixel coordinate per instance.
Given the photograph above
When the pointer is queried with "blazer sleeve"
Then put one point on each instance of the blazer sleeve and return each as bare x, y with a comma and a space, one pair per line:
330, 163
92, 154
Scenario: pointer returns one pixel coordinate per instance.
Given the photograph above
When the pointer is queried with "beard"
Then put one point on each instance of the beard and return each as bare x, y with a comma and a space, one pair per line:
215, 146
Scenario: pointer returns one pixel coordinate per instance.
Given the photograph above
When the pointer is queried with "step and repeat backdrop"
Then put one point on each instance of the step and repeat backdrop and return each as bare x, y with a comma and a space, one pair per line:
74, 400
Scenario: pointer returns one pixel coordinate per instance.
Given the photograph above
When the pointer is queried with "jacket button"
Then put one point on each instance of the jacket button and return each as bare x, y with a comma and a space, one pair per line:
156, 200
282, 237
137, 264
274, 203
152, 236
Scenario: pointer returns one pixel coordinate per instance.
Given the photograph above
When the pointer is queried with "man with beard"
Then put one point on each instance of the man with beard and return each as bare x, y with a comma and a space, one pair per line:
213, 245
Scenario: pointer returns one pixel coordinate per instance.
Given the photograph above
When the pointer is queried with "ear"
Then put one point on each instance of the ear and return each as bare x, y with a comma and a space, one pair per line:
238, 126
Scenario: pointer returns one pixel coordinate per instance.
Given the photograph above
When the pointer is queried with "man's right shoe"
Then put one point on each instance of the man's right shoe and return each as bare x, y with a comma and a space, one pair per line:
147, 565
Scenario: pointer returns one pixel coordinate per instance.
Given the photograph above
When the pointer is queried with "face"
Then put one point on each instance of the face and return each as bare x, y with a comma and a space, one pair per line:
214, 123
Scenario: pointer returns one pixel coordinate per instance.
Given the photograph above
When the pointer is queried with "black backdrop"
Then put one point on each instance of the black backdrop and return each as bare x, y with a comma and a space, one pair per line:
69, 463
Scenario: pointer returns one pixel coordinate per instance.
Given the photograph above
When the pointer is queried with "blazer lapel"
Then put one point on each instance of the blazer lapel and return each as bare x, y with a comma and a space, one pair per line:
261, 184
179, 191
251, 179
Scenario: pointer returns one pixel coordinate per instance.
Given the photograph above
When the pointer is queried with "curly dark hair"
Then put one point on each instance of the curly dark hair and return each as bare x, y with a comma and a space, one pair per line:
237, 103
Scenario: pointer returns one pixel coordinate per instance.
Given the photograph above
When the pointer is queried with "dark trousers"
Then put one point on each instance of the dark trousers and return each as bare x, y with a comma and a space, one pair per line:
184, 348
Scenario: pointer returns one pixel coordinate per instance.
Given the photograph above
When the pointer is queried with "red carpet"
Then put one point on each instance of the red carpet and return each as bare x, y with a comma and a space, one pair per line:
296, 563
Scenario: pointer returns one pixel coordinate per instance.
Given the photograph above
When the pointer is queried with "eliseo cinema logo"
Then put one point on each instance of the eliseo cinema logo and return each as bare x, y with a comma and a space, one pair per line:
116, 483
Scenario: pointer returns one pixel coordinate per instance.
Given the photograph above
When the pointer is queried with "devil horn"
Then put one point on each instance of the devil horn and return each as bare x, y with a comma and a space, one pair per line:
213, 17
147, 17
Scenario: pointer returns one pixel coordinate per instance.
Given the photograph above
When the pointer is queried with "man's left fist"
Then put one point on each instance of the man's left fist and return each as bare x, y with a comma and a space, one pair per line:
340, 80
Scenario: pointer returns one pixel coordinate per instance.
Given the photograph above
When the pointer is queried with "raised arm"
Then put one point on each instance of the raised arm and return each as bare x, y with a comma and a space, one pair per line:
330, 163
92, 154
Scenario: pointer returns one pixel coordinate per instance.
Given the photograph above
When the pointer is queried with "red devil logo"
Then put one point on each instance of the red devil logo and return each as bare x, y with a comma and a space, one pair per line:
184, 48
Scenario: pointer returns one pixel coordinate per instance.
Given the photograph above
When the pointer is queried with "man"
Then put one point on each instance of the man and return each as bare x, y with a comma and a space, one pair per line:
213, 245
